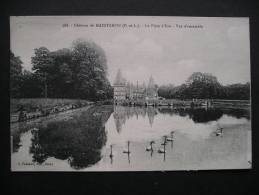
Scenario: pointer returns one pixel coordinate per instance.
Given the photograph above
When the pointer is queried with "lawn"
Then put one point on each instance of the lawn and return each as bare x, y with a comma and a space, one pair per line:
31, 104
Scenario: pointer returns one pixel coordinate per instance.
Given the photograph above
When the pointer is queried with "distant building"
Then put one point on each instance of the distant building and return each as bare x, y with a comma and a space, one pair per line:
129, 91
151, 91
119, 92
139, 92
119, 87
124, 90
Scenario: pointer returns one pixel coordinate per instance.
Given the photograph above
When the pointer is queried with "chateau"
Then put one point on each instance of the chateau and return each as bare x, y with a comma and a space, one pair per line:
124, 90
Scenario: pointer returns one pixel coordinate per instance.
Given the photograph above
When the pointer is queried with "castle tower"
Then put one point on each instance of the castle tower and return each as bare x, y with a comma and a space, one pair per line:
151, 89
119, 87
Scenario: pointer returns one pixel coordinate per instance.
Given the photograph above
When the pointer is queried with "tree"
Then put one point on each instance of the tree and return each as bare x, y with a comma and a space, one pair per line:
89, 66
203, 85
31, 85
61, 74
15, 75
42, 64
79, 72
167, 91
237, 91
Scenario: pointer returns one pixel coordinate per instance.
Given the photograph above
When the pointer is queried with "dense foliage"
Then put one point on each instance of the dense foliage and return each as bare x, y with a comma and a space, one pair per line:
15, 75
79, 72
205, 86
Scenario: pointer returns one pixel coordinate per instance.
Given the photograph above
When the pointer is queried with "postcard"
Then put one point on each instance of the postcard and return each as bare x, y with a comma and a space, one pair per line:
129, 93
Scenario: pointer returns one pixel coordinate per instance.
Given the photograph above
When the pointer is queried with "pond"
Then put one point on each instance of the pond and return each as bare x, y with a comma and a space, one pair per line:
118, 138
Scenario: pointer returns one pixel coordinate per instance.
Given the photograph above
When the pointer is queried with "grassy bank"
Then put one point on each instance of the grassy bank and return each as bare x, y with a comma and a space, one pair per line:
32, 104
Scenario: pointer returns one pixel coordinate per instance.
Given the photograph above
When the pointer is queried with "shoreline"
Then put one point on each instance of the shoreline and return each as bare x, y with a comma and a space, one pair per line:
37, 108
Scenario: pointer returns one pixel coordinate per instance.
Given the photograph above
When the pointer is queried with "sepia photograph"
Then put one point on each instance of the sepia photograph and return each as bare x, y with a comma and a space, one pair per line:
130, 93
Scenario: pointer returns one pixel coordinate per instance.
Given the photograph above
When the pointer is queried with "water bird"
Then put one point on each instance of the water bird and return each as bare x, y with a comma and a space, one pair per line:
165, 141
150, 148
161, 150
169, 139
219, 131
127, 151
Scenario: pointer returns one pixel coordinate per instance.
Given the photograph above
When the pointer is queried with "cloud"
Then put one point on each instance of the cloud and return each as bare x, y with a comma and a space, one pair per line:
189, 63
221, 48
140, 74
136, 56
127, 38
148, 48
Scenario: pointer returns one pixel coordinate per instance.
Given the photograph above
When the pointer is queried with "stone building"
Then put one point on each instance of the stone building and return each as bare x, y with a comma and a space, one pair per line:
125, 90
119, 92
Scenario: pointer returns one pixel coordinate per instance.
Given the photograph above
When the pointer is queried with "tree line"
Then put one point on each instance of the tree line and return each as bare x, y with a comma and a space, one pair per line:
81, 72
205, 86
76, 72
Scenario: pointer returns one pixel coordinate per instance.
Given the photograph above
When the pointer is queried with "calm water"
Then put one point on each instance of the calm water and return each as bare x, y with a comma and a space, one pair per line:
82, 140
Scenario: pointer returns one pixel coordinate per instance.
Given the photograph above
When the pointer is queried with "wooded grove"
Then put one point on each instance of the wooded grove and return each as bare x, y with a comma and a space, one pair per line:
79, 72
205, 86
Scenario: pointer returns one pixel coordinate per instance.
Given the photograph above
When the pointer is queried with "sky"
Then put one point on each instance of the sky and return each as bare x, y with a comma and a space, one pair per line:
220, 46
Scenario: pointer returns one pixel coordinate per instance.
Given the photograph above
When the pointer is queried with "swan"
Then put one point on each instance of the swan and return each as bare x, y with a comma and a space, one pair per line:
169, 139
150, 148
127, 150
219, 131
164, 143
161, 150
165, 140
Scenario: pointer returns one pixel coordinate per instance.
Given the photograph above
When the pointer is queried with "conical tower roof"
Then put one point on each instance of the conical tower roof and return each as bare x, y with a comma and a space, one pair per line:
119, 80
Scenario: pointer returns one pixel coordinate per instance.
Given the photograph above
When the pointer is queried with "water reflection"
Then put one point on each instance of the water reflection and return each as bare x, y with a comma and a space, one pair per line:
237, 113
122, 113
38, 152
151, 153
78, 140
127, 151
125, 139
201, 115
172, 144
111, 154
20, 128
198, 115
